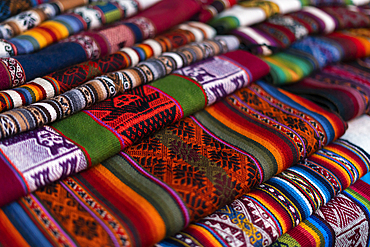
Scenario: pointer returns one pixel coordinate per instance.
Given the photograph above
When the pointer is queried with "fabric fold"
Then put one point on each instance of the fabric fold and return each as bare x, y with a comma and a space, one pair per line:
81, 18
121, 121
34, 17
183, 163
345, 219
96, 43
116, 83
66, 79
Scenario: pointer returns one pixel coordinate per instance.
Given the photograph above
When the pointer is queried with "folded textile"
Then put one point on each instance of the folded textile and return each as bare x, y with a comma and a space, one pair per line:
280, 31
34, 17
344, 220
63, 80
210, 11
81, 18
112, 84
119, 122
94, 44
259, 217
179, 174
315, 52
9, 8
252, 12
343, 88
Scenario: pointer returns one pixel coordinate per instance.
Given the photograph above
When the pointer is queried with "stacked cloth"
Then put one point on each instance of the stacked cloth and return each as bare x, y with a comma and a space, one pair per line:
162, 129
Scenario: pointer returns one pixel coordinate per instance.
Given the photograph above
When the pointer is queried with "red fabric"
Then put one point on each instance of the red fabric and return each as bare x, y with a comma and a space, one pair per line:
260, 68
169, 13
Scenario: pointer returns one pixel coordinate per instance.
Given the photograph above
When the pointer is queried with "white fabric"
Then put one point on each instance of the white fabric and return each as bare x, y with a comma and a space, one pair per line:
358, 132
287, 6
132, 54
328, 20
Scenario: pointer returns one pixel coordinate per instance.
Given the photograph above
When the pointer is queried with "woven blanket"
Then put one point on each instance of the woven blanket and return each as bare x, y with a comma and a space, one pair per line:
63, 80
344, 220
81, 18
181, 173
94, 44
122, 120
210, 11
112, 84
259, 217
315, 52
280, 31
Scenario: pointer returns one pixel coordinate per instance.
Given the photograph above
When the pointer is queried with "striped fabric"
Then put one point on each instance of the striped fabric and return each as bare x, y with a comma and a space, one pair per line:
343, 88
259, 217
81, 18
195, 172
315, 52
120, 121
344, 220
34, 17
94, 44
9, 8
112, 84
63, 80
247, 13
280, 31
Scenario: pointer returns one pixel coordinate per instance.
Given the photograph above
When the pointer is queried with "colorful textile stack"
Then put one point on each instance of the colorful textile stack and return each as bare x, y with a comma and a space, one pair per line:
199, 164
259, 217
343, 88
81, 18
34, 17
252, 12
344, 221
95, 44
112, 84
119, 122
247, 13
210, 11
280, 31
315, 52
184, 144
63, 80
9, 8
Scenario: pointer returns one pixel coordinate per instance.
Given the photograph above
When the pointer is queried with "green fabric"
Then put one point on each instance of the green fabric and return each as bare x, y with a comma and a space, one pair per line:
188, 94
165, 205
287, 68
98, 141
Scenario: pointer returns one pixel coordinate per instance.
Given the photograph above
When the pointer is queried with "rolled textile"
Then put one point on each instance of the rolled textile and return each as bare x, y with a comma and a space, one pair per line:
63, 80
119, 122
280, 31
343, 88
210, 11
115, 83
314, 52
247, 13
63, 26
252, 12
32, 18
94, 44
9, 8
